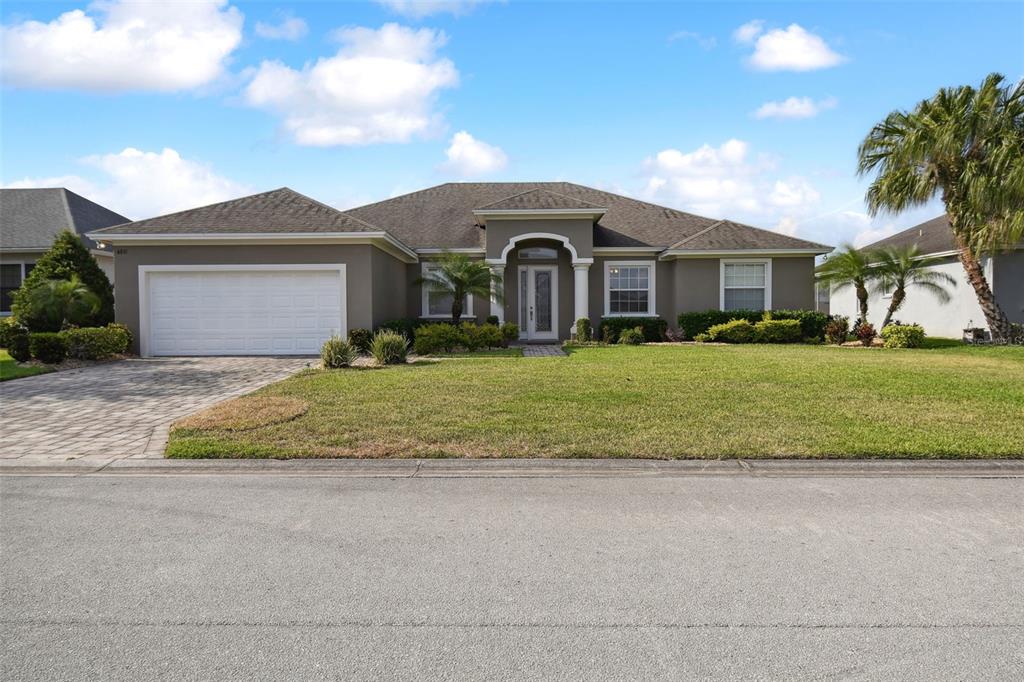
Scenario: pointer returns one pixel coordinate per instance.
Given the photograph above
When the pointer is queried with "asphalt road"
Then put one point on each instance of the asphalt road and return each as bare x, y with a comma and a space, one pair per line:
271, 577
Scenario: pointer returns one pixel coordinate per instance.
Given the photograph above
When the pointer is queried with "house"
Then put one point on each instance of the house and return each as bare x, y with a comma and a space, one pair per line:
30, 219
1004, 272
278, 272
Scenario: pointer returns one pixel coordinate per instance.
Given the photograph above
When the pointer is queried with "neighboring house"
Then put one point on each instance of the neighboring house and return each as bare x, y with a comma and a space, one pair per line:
277, 272
30, 219
1003, 270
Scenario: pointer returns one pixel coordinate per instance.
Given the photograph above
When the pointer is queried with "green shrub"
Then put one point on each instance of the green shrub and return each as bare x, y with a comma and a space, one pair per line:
837, 329
337, 352
490, 336
14, 337
777, 331
470, 336
125, 330
653, 328
67, 257
583, 330
97, 343
509, 333
389, 348
812, 323
360, 339
632, 337
492, 319
865, 332
54, 304
406, 326
701, 338
903, 336
434, 338
733, 331
48, 347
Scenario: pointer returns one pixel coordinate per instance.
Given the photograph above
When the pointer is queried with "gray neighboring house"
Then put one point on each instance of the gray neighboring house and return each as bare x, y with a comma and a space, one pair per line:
278, 272
1004, 271
30, 219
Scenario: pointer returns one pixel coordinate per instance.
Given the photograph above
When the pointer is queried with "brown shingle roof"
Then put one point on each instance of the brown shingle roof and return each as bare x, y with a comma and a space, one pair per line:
726, 235
279, 210
931, 236
538, 199
442, 217
32, 218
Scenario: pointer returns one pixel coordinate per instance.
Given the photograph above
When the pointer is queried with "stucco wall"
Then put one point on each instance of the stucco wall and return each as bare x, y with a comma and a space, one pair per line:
357, 259
793, 283
579, 232
390, 287
695, 286
566, 292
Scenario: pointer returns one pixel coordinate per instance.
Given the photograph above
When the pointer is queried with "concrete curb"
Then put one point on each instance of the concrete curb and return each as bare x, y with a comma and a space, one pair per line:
520, 468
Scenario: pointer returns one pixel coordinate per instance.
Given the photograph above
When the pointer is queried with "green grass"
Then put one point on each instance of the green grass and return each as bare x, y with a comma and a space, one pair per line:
490, 353
9, 369
653, 401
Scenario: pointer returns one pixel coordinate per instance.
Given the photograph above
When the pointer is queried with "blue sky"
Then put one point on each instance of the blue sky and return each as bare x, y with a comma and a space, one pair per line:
746, 111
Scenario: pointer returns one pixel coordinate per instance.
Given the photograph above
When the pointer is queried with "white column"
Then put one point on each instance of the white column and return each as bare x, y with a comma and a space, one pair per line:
497, 308
582, 287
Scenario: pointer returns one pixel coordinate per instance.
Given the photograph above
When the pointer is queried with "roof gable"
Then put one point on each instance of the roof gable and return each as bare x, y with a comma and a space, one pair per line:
32, 218
278, 211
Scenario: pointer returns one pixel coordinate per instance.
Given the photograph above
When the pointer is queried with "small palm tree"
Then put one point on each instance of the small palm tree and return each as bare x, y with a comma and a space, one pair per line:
53, 303
966, 145
898, 269
849, 266
458, 276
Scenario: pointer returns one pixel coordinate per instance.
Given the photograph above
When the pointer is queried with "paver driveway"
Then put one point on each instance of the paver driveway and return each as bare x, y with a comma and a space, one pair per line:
122, 409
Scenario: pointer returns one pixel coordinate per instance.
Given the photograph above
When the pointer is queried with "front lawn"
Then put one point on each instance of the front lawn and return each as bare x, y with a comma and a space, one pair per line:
9, 369
663, 401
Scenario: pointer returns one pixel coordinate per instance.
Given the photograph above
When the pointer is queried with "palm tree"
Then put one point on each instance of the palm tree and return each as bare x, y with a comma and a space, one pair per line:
898, 269
55, 302
848, 266
966, 145
458, 276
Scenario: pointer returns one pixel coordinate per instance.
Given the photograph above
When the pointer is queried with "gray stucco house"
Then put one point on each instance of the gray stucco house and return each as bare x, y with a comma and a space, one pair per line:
278, 272
30, 219
1004, 271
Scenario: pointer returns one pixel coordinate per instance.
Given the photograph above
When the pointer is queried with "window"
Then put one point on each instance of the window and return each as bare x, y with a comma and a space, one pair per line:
537, 253
436, 304
11, 277
746, 285
629, 288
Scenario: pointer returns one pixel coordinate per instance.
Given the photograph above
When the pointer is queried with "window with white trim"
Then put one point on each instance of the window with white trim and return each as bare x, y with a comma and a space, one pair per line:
629, 288
11, 277
745, 285
438, 304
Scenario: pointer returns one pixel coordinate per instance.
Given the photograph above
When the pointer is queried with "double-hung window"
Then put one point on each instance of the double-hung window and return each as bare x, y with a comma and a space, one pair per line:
438, 304
11, 277
746, 285
629, 288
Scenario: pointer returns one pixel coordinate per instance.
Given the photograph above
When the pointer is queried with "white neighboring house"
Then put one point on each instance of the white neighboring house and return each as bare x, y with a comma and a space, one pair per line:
30, 219
1003, 270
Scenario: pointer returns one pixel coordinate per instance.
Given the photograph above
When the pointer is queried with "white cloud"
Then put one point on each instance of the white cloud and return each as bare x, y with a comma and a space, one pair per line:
791, 49
379, 87
726, 182
748, 31
142, 184
123, 46
290, 28
706, 42
469, 157
795, 107
417, 9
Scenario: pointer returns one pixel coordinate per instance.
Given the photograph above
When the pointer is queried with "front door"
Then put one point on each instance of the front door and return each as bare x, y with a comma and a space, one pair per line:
538, 302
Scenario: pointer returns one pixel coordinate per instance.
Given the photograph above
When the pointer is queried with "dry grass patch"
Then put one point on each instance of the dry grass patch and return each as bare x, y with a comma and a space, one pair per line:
245, 414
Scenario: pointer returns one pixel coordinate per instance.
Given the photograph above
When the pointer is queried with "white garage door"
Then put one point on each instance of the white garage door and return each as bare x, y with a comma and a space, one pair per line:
244, 310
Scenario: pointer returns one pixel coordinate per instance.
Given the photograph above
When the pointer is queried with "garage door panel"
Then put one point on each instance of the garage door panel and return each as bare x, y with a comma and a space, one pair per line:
243, 312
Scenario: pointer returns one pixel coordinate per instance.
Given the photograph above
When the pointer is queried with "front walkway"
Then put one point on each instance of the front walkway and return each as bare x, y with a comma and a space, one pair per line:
121, 409
542, 351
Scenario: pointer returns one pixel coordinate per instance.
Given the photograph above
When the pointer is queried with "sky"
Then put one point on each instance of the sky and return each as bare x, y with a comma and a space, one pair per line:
751, 112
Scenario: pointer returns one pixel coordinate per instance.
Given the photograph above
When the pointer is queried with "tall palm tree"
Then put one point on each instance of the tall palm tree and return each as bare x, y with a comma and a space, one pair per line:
458, 276
966, 145
846, 267
897, 269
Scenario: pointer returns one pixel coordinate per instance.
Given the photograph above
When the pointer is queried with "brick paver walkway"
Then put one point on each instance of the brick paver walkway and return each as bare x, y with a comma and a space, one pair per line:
542, 351
122, 409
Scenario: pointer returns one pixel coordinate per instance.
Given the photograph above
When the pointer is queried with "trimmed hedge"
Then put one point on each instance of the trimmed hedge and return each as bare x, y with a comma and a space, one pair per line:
360, 339
97, 343
778, 331
434, 338
653, 328
733, 331
632, 337
14, 338
812, 323
48, 347
903, 336
405, 326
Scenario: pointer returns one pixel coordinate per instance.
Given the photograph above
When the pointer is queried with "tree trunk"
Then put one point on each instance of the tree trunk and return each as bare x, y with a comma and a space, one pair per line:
862, 300
998, 323
894, 304
456, 308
